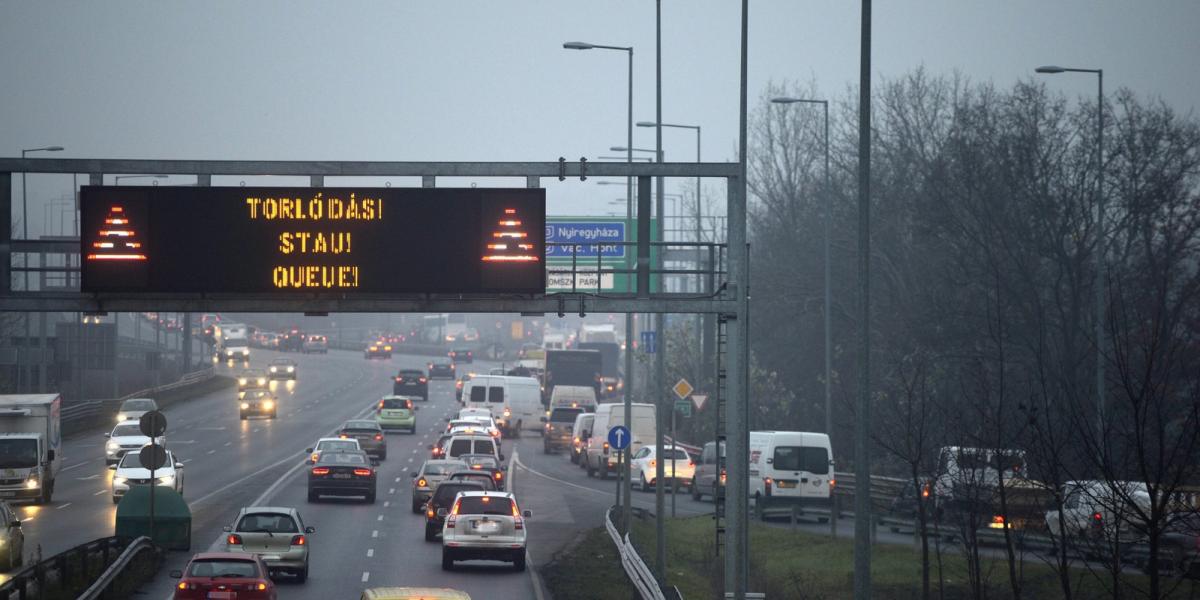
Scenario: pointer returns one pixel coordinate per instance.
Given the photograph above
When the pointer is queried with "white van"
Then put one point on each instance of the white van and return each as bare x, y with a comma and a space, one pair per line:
790, 467
515, 402
574, 396
598, 458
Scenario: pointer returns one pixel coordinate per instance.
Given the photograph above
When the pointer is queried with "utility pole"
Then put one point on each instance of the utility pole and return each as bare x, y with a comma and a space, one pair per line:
862, 414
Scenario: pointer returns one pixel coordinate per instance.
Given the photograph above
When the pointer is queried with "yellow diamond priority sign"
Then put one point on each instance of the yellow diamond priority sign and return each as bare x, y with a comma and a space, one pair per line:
683, 389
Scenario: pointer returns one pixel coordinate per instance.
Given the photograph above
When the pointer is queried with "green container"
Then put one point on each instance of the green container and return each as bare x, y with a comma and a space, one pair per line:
172, 517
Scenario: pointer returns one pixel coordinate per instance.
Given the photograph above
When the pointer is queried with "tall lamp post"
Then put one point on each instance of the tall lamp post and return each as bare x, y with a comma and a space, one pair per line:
828, 269
626, 507
25, 259
1101, 238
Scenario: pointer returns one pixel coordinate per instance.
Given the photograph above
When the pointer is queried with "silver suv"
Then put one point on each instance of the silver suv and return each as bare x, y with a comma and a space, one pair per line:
484, 526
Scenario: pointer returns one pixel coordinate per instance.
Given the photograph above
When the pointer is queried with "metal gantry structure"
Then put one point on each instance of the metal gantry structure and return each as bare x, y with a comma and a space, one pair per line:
722, 289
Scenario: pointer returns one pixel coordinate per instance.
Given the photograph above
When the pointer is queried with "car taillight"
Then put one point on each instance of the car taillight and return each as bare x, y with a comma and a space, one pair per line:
298, 540
320, 471
477, 467
450, 521
692, 464
399, 379
429, 513
767, 485
378, 437
186, 585
261, 586
499, 475
422, 380
233, 539
653, 463
362, 472
315, 456
343, 436
421, 482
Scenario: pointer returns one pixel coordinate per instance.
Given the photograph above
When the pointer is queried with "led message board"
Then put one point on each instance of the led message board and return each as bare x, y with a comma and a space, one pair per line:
304, 240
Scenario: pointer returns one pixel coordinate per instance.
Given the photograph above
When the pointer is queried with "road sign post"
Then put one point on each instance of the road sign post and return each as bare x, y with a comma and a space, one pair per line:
152, 424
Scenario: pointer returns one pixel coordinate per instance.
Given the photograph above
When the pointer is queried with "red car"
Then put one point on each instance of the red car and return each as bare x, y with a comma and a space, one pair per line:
211, 575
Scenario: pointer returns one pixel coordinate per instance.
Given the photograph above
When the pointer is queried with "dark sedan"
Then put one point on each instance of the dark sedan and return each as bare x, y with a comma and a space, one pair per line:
441, 370
484, 478
443, 497
342, 474
486, 463
461, 355
411, 382
369, 435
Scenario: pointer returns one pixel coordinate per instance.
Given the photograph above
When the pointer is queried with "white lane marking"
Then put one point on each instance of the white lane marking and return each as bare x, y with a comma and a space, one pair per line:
397, 480
210, 429
370, 552
228, 443
385, 503
366, 576
88, 478
393, 490
173, 442
100, 492
26, 519
379, 518
410, 460
75, 466
186, 461
211, 452
62, 506
374, 533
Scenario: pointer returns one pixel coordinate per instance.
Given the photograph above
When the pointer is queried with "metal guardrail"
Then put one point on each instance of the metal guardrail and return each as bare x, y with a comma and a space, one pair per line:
104, 582
82, 411
639, 574
36, 580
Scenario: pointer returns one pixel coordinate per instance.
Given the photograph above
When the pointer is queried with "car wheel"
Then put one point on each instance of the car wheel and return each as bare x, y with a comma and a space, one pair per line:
519, 562
695, 490
383, 456
545, 449
447, 560
430, 534
242, 416
371, 498
302, 575
590, 471
645, 486
312, 496
116, 499
416, 507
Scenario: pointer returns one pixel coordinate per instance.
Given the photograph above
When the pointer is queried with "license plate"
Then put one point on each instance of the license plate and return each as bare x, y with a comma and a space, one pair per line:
787, 484
270, 557
8, 494
487, 526
341, 476
222, 596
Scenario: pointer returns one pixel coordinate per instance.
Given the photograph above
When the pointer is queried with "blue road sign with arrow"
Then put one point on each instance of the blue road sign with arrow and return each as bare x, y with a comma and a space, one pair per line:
618, 437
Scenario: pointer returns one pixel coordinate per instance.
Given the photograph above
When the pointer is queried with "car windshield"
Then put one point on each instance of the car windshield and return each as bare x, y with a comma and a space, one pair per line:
338, 445
481, 460
137, 405
447, 491
802, 458
17, 453
675, 454
485, 505
126, 429
130, 461
396, 403
564, 415
342, 458
227, 567
270, 522
239, 343
411, 373
441, 468
360, 425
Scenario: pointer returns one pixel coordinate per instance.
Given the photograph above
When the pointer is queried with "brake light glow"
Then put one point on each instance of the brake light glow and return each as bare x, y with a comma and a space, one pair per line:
343, 436
320, 471
378, 437
499, 475
233, 539
362, 472
298, 540
422, 380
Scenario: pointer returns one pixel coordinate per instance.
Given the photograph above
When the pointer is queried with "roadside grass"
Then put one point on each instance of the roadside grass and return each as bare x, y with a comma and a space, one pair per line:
590, 569
803, 565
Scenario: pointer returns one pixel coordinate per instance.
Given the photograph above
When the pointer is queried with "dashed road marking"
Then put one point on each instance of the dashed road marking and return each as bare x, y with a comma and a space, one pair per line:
386, 503
74, 466
366, 576
228, 443
88, 478
211, 452
62, 506
370, 552
374, 533
100, 492
379, 518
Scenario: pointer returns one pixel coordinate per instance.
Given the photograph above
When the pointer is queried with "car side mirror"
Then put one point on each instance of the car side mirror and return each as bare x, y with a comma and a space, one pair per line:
108, 435
49, 455
770, 460
15, 523
442, 512
310, 529
176, 574
542, 419
374, 462
527, 514
503, 467
178, 465
308, 450
112, 467
227, 529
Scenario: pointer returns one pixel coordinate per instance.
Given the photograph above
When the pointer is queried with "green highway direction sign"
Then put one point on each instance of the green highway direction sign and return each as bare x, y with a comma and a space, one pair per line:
683, 407
590, 241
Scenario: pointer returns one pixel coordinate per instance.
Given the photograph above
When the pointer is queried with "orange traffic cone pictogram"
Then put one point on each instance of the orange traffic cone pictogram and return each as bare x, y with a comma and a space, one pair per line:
510, 242
117, 239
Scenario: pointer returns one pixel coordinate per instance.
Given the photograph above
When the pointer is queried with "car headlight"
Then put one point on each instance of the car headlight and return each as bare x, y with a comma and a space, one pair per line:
32, 482
166, 480
274, 369
242, 380
269, 404
119, 481
291, 369
112, 447
245, 405
262, 381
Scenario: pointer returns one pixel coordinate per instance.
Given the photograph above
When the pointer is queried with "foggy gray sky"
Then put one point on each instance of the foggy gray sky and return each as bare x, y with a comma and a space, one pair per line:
489, 80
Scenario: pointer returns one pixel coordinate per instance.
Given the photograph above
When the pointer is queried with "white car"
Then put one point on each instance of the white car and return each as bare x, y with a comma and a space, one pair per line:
331, 443
130, 472
644, 466
468, 413
133, 409
484, 525
126, 437
1107, 509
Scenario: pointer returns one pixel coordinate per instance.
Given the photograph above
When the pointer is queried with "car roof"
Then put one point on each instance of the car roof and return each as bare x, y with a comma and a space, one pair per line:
491, 493
336, 439
139, 400
254, 510
360, 424
225, 556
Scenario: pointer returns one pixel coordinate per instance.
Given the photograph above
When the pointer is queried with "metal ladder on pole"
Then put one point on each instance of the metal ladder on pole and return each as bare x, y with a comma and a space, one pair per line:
720, 431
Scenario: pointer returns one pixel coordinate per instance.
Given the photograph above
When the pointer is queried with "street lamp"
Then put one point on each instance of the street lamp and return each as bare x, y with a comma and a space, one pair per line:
627, 487
828, 226
1101, 240
117, 178
645, 158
